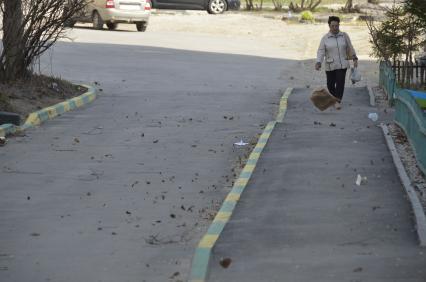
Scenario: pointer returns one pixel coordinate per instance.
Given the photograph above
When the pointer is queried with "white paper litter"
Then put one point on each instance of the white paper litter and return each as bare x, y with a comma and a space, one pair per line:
241, 143
360, 180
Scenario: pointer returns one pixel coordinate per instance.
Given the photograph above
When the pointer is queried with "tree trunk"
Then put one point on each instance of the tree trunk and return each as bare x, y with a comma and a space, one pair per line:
14, 59
313, 5
349, 5
249, 5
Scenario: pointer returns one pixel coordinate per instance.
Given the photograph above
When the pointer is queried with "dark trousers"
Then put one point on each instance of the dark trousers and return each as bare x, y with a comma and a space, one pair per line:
336, 82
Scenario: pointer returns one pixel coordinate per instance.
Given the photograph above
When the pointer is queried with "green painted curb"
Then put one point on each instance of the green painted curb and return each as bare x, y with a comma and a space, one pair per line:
6, 129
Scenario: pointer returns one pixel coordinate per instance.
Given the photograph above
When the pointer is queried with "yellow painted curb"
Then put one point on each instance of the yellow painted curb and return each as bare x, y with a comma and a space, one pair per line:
200, 261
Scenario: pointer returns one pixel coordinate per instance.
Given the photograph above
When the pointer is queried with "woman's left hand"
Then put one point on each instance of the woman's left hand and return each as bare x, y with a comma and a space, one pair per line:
355, 63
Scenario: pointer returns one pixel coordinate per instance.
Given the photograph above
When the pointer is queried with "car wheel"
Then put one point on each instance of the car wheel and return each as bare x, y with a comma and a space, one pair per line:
97, 21
141, 26
217, 6
112, 26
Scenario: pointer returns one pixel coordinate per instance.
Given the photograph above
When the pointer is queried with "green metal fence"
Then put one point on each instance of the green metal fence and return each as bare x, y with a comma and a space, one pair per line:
412, 119
387, 80
408, 114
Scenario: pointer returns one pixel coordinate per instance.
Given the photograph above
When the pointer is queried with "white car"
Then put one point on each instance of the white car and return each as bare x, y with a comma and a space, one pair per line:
113, 12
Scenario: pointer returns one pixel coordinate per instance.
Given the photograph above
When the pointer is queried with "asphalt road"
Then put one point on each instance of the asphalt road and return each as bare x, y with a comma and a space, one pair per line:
123, 189
302, 216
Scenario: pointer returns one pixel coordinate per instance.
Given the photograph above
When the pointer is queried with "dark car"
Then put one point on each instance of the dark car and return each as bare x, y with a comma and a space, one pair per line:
212, 6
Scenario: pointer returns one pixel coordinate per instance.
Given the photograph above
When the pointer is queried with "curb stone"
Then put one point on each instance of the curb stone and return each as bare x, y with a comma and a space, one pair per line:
419, 214
200, 261
372, 97
37, 118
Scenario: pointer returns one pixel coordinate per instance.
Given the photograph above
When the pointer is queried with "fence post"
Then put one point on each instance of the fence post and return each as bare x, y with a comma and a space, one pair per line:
417, 74
392, 90
399, 71
388, 80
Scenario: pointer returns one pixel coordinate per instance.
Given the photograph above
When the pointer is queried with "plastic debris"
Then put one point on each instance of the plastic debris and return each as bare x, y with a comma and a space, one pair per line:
241, 143
3, 141
355, 75
360, 180
373, 116
55, 86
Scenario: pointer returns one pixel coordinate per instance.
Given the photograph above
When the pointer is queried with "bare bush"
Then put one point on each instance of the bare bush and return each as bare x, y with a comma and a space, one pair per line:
252, 5
350, 7
278, 5
30, 27
249, 5
304, 5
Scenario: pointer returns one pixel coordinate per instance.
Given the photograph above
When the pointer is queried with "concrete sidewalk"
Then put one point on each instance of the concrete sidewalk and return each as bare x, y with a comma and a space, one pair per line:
303, 218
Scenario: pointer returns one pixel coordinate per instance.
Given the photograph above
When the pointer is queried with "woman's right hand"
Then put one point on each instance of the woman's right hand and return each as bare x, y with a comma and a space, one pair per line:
317, 66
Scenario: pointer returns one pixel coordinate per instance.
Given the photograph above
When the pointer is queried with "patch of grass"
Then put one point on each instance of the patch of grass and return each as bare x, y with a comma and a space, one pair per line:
321, 9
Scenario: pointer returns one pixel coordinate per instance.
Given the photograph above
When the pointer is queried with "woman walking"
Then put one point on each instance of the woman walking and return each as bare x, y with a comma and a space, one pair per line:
336, 48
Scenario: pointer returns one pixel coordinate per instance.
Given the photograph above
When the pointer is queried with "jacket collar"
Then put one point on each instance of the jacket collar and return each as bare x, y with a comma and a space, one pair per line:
329, 34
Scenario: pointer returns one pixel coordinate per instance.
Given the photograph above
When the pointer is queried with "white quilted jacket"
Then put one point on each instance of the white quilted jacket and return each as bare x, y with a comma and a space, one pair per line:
336, 49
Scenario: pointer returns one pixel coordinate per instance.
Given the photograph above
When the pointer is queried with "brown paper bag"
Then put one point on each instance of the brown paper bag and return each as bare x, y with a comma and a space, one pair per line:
322, 99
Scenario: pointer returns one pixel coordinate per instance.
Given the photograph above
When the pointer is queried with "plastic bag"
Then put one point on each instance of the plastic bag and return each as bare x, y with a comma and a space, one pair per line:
373, 116
322, 99
355, 75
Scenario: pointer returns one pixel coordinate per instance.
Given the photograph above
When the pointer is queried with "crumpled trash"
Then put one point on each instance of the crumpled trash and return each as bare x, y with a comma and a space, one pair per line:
373, 116
3, 141
241, 143
360, 180
55, 86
